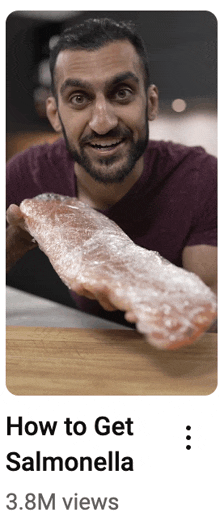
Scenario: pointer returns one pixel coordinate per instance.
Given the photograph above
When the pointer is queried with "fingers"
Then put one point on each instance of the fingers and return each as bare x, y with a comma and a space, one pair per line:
98, 292
14, 215
130, 316
17, 231
102, 293
105, 303
80, 290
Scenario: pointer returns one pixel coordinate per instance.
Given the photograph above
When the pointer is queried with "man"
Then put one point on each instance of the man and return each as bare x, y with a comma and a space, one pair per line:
162, 195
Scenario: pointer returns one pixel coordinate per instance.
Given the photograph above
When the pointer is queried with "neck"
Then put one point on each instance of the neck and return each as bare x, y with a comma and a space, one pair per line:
102, 196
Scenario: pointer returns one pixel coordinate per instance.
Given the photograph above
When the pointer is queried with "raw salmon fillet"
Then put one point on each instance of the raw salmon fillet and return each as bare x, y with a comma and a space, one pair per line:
169, 305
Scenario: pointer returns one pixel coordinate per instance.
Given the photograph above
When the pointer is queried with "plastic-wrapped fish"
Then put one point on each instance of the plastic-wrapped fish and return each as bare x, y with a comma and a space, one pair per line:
93, 256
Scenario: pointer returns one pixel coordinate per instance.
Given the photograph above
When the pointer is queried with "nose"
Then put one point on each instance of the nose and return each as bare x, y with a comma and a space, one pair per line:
103, 118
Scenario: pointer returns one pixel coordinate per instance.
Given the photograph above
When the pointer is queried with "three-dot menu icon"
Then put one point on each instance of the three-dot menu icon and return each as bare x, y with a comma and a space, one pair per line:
188, 437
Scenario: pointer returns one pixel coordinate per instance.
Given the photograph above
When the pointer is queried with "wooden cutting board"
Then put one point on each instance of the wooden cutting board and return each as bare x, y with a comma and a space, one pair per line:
70, 361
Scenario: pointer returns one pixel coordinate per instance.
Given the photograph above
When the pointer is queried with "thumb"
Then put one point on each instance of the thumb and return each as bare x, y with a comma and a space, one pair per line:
14, 215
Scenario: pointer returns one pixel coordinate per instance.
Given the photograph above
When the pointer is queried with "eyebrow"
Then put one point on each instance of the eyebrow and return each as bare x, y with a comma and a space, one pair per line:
70, 82
119, 78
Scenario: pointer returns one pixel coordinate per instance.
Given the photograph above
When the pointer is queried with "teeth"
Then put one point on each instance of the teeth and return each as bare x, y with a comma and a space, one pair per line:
105, 145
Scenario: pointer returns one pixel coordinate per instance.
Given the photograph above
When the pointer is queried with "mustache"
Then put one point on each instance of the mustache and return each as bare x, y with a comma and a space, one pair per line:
113, 134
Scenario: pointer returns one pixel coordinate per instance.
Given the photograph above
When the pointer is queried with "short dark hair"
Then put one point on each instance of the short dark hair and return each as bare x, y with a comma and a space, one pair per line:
95, 33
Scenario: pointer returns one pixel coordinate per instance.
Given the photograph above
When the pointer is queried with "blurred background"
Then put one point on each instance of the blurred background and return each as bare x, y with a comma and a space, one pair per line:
182, 48
182, 54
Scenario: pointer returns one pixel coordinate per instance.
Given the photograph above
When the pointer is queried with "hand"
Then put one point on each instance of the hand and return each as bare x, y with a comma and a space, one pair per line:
18, 240
99, 292
14, 216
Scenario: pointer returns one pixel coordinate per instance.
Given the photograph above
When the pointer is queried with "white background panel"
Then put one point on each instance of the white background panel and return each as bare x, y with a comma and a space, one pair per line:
169, 482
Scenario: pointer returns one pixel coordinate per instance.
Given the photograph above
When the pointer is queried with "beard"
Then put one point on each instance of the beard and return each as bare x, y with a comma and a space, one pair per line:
105, 172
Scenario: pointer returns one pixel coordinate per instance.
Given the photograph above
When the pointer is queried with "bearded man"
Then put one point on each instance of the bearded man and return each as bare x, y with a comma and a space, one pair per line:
163, 195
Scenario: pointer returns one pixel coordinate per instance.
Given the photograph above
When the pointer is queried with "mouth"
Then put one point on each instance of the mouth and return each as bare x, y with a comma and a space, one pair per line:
104, 146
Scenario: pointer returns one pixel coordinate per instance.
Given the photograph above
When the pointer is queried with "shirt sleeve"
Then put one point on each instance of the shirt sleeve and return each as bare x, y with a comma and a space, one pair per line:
204, 227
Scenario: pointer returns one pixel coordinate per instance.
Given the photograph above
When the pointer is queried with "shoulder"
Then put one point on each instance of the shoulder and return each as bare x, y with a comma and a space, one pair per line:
37, 170
36, 154
169, 157
177, 151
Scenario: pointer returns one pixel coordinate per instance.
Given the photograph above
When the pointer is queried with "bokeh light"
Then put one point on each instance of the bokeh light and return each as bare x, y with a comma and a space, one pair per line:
179, 105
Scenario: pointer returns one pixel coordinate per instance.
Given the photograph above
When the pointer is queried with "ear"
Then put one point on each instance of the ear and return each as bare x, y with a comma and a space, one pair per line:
52, 113
152, 99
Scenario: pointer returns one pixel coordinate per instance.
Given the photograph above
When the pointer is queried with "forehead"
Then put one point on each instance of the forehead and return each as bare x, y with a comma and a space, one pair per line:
98, 65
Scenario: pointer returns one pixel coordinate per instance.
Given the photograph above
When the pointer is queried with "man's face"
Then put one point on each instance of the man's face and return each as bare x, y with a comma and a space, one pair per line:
102, 109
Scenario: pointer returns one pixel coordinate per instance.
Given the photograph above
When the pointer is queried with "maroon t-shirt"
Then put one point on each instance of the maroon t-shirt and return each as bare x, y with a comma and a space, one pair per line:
173, 204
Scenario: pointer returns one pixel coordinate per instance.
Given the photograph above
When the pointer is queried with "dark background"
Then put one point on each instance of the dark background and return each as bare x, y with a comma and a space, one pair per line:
181, 49
182, 54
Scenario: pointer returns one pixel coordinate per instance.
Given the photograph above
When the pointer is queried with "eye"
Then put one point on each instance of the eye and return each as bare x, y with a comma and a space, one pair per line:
79, 100
123, 94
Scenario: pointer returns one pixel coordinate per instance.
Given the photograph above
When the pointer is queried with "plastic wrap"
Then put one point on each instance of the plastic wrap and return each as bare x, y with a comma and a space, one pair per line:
169, 305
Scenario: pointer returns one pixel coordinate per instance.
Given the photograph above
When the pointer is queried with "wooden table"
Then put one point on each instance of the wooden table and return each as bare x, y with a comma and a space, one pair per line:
85, 361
